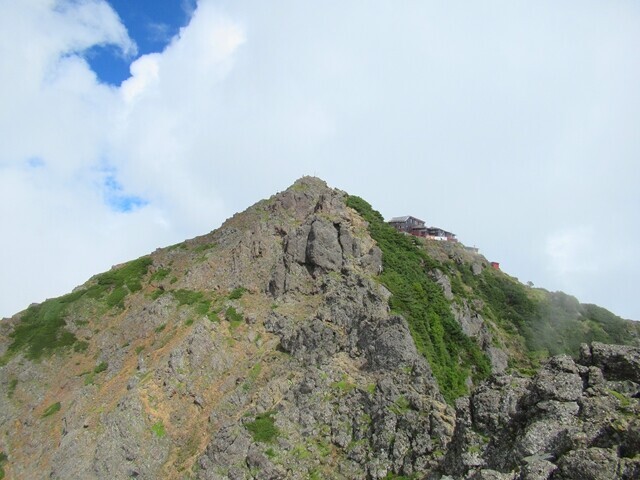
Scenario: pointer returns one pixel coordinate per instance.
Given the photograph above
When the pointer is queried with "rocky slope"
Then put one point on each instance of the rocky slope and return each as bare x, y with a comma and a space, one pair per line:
277, 346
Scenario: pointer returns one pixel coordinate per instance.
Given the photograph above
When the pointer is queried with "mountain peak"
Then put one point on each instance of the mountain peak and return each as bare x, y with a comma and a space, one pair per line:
306, 338
309, 182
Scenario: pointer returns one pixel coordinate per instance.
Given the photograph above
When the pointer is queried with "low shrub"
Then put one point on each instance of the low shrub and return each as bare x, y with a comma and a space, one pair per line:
101, 367
51, 409
13, 383
158, 429
263, 428
233, 317
237, 293
41, 328
160, 274
187, 297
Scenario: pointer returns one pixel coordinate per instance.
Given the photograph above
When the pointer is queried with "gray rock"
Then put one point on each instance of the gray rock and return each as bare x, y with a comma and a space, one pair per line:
629, 468
372, 261
474, 325
497, 402
565, 423
617, 362
127, 443
498, 358
323, 248
559, 380
537, 468
313, 342
488, 474
443, 280
389, 345
229, 447
296, 244
588, 464
546, 435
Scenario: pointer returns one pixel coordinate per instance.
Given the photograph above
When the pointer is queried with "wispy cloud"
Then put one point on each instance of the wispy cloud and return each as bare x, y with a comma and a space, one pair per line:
35, 162
68, 214
159, 31
116, 197
573, 250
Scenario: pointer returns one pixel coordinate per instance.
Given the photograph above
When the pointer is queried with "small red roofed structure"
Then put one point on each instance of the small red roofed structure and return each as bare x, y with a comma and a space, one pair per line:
496, 265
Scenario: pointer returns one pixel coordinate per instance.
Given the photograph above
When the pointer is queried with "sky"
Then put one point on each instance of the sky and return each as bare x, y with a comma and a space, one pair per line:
130, 125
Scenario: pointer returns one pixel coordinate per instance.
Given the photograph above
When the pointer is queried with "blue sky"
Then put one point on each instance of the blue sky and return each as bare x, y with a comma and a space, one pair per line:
132, 124
151, 24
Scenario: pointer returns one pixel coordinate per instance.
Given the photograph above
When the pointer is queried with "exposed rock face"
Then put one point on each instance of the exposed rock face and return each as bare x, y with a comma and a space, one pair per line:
267, 350
360, 386
476, 327
617, 362
316, 351
323, 248
572, 420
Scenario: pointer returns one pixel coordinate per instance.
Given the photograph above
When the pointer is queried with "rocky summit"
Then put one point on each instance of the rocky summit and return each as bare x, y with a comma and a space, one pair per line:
307, 339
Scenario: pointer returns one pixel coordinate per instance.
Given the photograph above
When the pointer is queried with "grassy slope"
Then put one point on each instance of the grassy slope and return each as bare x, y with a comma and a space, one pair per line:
41, 330
416, 296
549, 323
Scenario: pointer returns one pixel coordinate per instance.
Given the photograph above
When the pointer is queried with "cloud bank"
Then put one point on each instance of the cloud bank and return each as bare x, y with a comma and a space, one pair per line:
513, 125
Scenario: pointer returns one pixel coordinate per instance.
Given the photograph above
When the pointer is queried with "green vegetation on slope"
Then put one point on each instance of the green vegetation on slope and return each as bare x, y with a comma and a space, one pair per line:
415, 295
237, 293
160, 274
561, 324
3, 460
263, 428
235, 319
129, 274
41, 329
51, 409
550, 323
191, 297
13, 383
187, 297
120, 282
101, 367
158, 429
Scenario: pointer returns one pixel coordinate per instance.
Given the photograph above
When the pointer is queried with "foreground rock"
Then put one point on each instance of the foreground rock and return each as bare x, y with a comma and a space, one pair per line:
573, 420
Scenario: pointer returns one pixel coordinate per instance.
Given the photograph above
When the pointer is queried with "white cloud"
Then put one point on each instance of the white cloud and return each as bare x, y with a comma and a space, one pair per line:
89, 23
57, 207
144, 73
512, 125
574, 251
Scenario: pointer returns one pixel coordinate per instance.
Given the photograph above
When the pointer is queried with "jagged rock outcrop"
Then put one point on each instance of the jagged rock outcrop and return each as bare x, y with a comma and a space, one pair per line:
361, 385
571, 420
476, 327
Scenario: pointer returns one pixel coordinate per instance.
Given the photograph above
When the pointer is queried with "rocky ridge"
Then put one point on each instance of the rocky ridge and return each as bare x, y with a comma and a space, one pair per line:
267, 349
